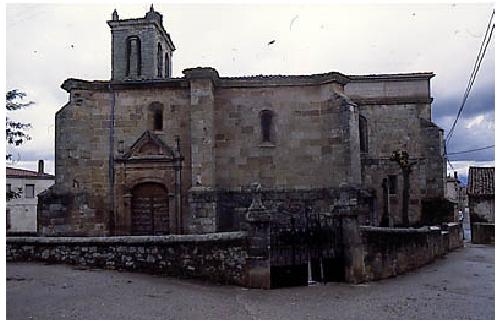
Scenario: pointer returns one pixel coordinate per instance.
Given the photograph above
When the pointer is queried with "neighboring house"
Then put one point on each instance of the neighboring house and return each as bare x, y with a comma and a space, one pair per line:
21, 213
146, 153
456, 194
463, 200
481, 190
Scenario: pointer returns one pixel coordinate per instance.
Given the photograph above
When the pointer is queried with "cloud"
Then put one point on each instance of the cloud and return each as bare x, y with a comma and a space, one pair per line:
481, 100
478, 136
477, 120
476, 125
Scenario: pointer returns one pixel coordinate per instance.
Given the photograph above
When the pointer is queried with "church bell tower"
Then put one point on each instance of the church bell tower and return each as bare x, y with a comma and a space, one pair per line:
141, 48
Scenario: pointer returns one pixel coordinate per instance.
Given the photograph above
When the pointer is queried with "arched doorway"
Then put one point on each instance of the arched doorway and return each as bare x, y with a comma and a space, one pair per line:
150, 209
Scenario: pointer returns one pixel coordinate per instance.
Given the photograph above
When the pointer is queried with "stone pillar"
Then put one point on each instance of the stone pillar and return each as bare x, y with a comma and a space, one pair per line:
355, 270
203, 216
258, 274
385, 191
124, 226
177, 189
202, 124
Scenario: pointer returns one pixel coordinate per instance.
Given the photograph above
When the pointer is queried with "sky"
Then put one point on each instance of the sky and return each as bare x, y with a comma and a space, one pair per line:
46, 44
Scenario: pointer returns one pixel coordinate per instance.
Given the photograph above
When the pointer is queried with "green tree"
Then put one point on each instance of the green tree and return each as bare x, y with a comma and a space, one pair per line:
15, 132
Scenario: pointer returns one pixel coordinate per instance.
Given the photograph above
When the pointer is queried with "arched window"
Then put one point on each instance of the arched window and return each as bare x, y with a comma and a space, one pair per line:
160, 59
156, 116
266, 118
363, 134
133, 46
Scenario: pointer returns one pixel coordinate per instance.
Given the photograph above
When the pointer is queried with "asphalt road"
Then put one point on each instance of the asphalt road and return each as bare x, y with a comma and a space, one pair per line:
459, 286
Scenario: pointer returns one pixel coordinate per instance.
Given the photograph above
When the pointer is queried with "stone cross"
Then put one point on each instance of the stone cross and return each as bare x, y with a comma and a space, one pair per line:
256, 203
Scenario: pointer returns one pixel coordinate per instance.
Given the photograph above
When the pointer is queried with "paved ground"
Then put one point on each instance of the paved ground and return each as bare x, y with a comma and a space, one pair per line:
460, 286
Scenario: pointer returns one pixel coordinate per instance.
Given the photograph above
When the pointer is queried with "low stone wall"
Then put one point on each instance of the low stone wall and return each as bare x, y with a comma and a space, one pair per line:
218, 257
392, 251
483, 233
455, 235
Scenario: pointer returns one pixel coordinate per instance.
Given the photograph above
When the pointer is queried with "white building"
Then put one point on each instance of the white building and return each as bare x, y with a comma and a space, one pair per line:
22, 211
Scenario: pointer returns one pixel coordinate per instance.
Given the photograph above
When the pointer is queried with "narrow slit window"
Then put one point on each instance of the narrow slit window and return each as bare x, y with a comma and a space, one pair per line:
363, 134
157, 120
156, 116
266, 125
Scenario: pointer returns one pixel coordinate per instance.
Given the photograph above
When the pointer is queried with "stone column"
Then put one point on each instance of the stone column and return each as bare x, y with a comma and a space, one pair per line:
258, 274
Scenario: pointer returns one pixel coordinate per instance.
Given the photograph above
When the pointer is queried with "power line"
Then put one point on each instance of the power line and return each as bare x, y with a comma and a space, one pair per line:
471, 150
477, 65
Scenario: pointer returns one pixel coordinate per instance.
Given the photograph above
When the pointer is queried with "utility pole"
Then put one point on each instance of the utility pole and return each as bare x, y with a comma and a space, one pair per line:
403, 159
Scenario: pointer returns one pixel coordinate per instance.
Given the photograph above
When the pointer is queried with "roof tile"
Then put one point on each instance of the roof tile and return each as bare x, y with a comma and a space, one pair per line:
481, 180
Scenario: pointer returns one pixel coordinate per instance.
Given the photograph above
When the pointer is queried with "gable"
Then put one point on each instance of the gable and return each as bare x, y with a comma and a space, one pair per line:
149, 146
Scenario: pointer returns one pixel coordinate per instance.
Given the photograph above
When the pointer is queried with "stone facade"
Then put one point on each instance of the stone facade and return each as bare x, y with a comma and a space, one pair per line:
201, 139
397, 109
482, 209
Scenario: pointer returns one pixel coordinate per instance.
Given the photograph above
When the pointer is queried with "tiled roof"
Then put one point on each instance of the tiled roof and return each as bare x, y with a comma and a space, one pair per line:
481, 180
12, 172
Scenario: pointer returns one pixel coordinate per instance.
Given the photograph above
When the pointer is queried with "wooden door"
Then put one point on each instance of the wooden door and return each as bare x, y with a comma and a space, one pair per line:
150, 210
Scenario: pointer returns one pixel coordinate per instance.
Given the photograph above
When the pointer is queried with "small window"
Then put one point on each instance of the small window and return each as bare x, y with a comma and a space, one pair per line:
30, 191
363, 134
266, 125
157, 120
392, 184
155, 116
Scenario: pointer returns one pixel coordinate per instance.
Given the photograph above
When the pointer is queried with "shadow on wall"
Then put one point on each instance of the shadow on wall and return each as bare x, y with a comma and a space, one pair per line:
437, 210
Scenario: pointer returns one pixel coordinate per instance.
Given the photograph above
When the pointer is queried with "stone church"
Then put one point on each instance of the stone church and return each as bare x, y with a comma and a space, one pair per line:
145, 153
